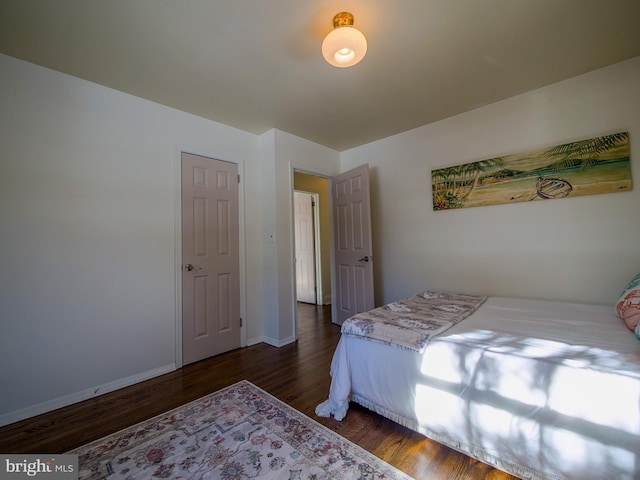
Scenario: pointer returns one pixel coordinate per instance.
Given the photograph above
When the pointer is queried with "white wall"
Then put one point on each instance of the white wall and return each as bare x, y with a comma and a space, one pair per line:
88, 199
577, 249
289, 153
260, 251
293, 153
89, 215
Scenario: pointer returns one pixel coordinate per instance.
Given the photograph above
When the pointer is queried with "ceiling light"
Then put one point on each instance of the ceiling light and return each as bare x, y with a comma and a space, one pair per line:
345, 45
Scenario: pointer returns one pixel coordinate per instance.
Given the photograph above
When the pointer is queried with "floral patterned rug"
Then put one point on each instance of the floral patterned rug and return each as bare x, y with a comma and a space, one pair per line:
238, 433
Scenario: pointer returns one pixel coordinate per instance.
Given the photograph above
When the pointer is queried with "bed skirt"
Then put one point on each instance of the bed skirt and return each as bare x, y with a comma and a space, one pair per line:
442, 437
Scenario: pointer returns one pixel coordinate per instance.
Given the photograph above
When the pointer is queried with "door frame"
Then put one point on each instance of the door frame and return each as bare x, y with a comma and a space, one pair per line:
296, 167
316, 241
177, 207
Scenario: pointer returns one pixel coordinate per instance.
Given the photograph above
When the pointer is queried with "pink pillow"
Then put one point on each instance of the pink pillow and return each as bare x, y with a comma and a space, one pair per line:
628, 306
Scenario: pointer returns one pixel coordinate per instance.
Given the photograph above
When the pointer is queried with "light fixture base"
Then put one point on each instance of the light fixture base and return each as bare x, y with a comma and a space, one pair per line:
343, 19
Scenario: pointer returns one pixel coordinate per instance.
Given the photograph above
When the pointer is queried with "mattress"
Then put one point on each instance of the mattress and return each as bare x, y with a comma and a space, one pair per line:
543, 390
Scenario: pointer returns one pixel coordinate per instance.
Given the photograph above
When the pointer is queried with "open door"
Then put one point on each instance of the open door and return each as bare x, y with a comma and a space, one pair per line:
353, 260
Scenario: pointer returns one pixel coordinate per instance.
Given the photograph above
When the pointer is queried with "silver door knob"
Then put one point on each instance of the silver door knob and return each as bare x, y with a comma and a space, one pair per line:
188, 267
364, 259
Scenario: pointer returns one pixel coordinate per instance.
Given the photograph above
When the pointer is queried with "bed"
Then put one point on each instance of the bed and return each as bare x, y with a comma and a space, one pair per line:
539, 389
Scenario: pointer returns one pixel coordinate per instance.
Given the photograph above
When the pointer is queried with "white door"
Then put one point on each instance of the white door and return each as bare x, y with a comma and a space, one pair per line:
353, 260
303, 216
210, 258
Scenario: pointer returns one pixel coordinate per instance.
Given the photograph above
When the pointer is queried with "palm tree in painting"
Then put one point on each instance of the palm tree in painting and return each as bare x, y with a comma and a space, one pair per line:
453, 185
476, 168
586, 152
445, 185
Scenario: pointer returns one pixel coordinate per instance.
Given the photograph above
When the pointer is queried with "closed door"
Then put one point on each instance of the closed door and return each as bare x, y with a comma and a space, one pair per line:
303, 205
353, 259
210, 258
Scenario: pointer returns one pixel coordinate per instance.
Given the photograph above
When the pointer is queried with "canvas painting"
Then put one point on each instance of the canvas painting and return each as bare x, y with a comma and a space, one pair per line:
586, 167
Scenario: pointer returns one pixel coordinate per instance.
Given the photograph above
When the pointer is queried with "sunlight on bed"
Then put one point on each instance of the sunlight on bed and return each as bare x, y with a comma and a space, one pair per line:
574, 451
610, 400
538, 392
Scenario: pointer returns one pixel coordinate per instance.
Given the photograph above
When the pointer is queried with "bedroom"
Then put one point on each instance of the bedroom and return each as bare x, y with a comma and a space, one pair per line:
90, 252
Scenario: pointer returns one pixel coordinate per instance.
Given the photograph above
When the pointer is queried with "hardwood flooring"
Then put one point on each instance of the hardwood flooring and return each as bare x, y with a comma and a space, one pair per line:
297, 374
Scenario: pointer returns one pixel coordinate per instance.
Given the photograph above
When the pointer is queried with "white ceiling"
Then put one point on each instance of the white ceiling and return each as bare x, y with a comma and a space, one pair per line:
257, 65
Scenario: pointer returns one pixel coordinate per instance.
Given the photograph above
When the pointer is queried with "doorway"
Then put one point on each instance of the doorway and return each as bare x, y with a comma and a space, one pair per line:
317, 187
348, 231
307, 233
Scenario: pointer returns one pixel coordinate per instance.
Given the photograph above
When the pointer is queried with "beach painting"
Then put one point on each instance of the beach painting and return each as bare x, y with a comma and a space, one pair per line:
585, 167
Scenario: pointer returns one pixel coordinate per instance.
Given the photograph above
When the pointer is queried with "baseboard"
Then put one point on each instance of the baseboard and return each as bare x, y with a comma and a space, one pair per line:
48, 406
274, 342
286, 341
254, 341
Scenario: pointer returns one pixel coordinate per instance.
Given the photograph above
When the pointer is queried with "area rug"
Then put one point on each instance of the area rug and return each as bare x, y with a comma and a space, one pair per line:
238, 433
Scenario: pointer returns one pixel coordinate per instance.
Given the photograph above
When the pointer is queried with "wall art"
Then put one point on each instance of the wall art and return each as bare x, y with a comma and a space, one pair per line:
586, 167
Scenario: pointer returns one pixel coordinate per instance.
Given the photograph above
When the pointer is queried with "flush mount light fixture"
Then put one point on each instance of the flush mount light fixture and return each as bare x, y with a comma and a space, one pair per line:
345, 45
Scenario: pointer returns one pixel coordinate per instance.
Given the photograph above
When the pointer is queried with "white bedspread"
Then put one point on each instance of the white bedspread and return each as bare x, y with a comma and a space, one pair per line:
539, 389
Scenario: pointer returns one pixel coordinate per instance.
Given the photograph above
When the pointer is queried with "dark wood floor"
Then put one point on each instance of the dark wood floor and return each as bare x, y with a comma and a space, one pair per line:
298, 374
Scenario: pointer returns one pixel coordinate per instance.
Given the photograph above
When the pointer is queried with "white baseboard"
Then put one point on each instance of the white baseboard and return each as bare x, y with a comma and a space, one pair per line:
285, 341
274, 342
254, 341
50, 405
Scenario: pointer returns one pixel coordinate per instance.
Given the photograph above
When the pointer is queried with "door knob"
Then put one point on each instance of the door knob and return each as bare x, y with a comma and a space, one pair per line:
364, 259
188, 267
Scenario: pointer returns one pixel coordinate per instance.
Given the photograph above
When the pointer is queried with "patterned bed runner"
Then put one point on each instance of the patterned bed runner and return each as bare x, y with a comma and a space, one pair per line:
412, 322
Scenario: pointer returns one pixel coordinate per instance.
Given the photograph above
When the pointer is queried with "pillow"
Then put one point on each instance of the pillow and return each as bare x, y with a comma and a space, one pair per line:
628, 306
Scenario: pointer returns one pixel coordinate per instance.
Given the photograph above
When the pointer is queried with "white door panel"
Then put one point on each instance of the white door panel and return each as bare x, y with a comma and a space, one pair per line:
305, 247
